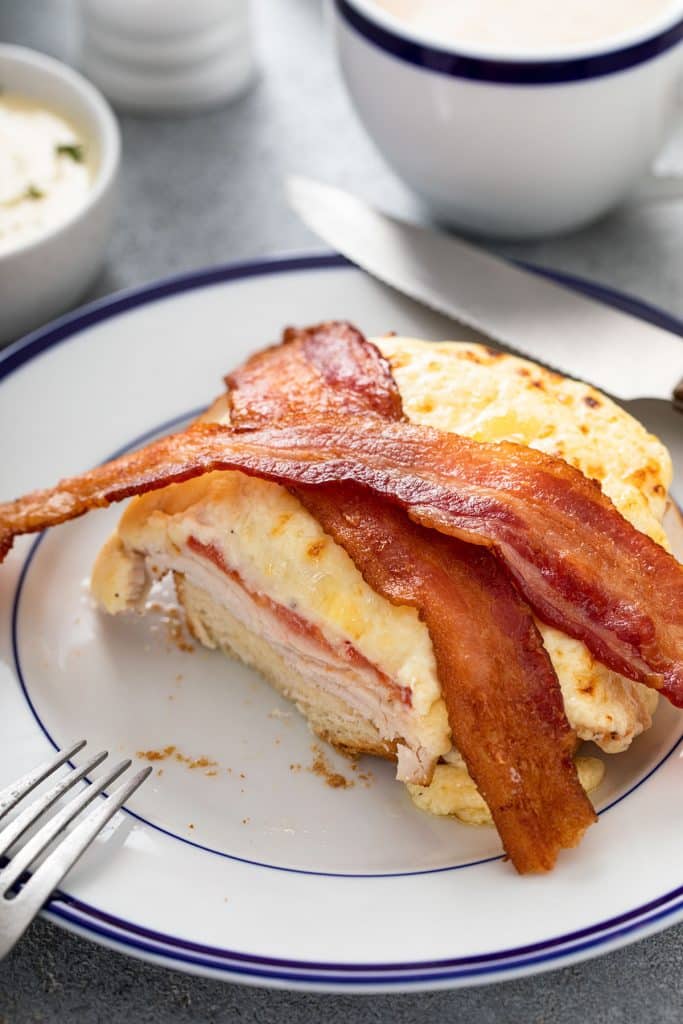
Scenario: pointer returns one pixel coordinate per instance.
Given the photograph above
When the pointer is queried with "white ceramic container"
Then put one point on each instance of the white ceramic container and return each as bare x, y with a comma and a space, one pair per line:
512, 145
46, 276
168, 56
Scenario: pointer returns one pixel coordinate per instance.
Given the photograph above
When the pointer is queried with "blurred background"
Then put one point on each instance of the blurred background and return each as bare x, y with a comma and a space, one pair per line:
207, 188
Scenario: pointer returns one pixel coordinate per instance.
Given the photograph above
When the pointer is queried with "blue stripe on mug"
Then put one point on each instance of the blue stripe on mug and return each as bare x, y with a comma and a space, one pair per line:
511, 72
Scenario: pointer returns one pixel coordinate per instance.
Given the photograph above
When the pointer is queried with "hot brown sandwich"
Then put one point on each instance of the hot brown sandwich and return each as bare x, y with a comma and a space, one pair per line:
372, 531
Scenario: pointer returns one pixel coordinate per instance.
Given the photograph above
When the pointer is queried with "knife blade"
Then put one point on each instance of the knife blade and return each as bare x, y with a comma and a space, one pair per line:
569, 332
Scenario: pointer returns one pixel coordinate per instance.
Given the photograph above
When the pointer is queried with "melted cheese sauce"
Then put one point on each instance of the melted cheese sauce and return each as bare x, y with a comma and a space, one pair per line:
44, 174
525, 25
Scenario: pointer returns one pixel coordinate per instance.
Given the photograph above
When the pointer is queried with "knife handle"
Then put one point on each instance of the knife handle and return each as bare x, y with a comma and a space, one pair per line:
678, 396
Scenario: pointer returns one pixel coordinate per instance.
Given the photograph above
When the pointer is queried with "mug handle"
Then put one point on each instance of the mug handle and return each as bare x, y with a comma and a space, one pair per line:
665, 179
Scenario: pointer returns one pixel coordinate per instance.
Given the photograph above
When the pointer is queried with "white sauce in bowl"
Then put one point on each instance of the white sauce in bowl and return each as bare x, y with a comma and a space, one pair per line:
44, 172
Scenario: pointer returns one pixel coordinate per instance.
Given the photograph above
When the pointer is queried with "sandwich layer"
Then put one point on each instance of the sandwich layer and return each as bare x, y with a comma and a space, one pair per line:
330, 716
247, 546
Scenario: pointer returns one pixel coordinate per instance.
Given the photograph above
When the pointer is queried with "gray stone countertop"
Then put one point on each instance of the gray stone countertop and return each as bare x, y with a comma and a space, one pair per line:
206, 189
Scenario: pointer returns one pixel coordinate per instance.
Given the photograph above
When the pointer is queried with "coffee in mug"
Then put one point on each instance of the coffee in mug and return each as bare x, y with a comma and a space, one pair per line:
526, 26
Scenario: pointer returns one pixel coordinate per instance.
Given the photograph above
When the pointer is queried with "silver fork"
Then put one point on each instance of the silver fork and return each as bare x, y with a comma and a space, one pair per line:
21, 898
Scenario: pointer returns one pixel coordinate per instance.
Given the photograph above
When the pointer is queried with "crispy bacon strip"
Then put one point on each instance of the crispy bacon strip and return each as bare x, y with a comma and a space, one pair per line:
578, 563
504, 701
329, 370
503, 698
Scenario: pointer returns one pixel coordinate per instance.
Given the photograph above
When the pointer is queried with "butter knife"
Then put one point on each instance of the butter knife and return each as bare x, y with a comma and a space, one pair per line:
581, 337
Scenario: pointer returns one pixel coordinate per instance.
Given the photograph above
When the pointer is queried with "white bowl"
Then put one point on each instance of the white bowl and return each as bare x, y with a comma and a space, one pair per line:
45, 276
511, 145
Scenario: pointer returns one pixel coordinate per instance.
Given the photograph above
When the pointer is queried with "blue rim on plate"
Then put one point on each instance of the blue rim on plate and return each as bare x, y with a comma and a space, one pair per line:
127, 936
510, 72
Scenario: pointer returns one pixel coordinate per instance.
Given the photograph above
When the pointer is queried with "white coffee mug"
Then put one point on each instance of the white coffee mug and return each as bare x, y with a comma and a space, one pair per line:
509, 146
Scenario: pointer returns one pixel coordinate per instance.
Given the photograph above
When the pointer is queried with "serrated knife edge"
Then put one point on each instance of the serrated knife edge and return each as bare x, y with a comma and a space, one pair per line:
540, 319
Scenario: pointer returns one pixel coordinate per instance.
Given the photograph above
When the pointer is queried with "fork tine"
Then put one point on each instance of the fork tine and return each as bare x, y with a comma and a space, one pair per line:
11, 796
25, 857
48, 876
20, 911
23, 821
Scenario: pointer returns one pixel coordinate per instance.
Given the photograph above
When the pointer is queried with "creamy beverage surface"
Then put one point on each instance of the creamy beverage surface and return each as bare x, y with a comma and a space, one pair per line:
526, 25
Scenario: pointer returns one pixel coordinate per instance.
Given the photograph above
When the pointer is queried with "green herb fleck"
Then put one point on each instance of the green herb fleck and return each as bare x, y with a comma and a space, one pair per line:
34, 193
72, 149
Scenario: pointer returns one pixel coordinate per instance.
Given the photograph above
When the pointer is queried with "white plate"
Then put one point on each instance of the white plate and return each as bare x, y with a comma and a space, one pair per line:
246, 869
